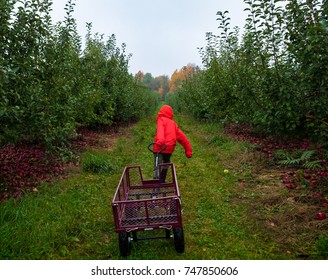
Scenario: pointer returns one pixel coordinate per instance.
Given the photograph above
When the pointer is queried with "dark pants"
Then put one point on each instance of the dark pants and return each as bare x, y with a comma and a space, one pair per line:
162, 158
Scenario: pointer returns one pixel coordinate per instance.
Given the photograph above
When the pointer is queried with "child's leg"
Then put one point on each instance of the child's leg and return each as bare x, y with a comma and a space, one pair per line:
165, 159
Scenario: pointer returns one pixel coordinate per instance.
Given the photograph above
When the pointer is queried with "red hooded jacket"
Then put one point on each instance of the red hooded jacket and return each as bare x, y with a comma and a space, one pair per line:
168, 133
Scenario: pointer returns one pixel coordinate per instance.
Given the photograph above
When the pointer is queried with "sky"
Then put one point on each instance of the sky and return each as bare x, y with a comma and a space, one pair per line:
162, 35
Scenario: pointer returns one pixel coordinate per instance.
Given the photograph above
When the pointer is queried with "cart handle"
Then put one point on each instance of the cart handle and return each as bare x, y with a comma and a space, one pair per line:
152, 143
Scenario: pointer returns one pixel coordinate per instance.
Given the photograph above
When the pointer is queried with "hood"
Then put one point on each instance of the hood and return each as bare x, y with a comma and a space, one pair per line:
165, 111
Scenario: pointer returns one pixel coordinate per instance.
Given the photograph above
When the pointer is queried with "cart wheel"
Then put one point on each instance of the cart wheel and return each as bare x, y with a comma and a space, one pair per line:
134, 235
124, 243
178, 240
167, 234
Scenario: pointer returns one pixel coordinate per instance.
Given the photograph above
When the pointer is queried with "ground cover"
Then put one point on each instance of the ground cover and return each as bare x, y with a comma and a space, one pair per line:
245, 212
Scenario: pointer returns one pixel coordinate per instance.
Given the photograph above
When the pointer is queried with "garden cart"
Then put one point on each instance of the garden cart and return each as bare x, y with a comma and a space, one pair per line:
144, 205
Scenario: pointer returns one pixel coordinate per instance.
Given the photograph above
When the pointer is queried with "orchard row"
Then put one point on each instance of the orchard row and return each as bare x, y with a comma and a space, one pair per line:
273, 77
50, 86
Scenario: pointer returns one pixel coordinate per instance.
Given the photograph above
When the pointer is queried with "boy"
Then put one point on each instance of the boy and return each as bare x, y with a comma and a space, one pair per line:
167, 134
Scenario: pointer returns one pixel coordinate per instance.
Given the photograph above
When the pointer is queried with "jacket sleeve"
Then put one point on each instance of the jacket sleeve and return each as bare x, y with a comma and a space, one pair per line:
183, 140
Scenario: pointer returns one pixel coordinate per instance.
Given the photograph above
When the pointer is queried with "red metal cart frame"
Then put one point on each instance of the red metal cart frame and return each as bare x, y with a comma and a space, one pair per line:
140, 205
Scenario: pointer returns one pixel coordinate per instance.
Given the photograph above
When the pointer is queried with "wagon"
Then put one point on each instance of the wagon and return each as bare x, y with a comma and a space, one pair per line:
144, 205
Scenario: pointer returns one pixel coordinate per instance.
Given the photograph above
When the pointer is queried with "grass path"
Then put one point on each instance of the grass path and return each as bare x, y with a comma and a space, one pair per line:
72, 219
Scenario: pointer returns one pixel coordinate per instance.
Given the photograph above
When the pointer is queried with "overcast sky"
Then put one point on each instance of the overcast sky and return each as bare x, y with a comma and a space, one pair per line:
161, 35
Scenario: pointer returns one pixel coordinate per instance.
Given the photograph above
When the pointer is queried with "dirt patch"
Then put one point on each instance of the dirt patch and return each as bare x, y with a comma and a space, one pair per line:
23, 167
288, 202
287, 216
104, 138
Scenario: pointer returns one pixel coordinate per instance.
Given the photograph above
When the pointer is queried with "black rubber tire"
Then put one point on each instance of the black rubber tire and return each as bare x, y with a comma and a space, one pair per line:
167, 234
134, 235
124, 241
178, 240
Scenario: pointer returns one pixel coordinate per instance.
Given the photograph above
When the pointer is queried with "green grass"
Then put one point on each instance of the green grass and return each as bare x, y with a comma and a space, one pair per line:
97, 162
72, 218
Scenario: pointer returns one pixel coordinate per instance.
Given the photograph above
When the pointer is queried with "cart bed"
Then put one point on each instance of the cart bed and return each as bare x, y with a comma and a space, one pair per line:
146, 204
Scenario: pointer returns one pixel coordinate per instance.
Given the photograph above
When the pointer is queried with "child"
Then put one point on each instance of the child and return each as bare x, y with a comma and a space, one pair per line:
167, 134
